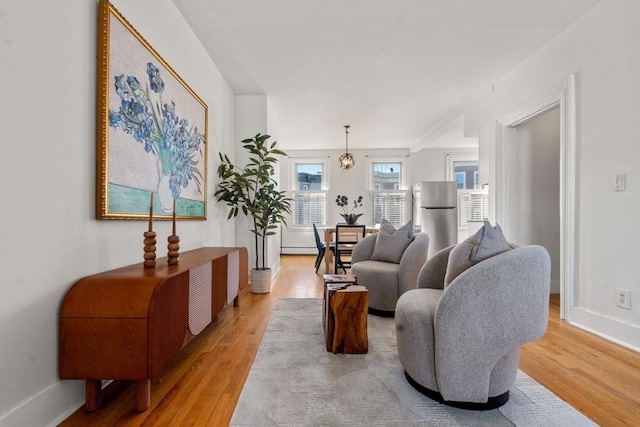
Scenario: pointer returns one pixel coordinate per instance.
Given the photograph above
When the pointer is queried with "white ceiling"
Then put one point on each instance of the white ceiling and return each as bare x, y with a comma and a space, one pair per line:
392, 69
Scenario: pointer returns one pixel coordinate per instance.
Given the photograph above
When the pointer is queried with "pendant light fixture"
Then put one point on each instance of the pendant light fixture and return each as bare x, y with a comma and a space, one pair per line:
346, 160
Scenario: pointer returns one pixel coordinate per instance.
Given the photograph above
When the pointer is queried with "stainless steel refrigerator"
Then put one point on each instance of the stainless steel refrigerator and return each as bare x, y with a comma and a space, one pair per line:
435, 208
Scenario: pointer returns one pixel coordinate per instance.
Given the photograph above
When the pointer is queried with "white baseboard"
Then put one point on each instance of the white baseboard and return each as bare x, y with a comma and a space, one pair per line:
49, 407
554, 287
275, 268
299, 251
625, 334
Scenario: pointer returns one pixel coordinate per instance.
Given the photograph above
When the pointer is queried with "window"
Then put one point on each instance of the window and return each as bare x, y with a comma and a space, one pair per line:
473, 203
388, 194
466, 174
386, 175
309, 176
459, 180
308, 192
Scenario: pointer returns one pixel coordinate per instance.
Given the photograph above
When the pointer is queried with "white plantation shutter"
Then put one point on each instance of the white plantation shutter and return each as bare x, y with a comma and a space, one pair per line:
479, 204
390, 205
463, 208
473, 205
309, 207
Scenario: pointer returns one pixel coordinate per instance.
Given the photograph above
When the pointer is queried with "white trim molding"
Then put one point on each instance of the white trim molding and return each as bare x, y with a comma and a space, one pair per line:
622, 333
562, 95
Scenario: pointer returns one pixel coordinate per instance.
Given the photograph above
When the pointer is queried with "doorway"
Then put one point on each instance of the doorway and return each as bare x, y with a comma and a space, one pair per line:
535, 193
562, 98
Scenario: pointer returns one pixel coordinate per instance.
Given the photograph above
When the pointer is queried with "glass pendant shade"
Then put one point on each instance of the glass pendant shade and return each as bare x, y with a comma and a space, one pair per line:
346, 160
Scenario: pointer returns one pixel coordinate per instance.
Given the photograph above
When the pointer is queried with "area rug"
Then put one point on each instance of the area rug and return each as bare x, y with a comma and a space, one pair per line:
294, 381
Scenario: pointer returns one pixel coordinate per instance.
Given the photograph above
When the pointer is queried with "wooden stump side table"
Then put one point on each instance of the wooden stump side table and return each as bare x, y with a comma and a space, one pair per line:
346, 319
333, 282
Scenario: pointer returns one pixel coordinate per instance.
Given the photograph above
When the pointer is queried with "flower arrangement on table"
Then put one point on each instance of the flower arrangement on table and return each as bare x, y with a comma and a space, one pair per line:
158, 127
348, 209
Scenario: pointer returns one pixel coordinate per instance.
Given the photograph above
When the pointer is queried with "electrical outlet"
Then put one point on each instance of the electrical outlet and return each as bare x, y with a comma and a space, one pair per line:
623, 298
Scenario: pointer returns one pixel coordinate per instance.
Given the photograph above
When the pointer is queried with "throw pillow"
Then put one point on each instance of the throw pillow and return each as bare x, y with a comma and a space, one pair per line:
485, 243
390, 229
391, 243
387, 227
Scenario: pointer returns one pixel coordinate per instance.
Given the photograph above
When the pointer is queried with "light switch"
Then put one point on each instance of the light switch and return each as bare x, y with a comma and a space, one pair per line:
620, 183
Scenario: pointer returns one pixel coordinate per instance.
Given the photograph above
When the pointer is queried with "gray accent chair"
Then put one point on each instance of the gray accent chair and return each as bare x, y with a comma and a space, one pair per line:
461, 345
386, 281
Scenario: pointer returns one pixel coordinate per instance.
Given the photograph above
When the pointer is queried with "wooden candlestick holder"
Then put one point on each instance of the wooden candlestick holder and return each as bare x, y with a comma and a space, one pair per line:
174, 250
149, 249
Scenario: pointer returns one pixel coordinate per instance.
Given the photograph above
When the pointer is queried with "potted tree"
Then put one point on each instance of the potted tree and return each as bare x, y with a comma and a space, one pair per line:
252, 190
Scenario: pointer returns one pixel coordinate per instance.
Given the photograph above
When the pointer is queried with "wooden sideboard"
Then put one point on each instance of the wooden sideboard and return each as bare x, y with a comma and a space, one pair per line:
129, 323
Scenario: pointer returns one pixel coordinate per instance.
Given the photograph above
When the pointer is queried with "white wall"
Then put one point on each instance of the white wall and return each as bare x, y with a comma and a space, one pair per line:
536, 188
429, 154
49, 237
603, 49
429, 165
273, 242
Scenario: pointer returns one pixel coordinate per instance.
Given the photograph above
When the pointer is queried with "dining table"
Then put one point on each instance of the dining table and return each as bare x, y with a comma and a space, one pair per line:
329, 239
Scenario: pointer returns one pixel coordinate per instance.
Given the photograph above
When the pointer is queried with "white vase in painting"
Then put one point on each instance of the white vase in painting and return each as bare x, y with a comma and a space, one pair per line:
164, 194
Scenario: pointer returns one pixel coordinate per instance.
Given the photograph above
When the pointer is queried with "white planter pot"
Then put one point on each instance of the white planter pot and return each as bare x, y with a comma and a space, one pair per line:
261, 281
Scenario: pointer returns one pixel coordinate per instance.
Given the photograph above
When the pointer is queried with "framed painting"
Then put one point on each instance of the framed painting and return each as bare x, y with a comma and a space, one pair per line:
151, 130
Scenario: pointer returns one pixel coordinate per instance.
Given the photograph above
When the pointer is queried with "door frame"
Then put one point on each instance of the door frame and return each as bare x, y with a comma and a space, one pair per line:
562, 95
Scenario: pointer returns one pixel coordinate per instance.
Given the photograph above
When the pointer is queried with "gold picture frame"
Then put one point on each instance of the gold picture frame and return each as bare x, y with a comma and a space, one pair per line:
151, 130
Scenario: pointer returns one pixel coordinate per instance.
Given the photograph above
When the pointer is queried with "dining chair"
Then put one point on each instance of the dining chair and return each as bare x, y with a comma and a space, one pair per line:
346, 238
322, 248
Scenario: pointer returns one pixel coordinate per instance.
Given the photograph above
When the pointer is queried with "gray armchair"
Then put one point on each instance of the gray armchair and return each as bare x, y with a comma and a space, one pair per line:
386, 281
461, 345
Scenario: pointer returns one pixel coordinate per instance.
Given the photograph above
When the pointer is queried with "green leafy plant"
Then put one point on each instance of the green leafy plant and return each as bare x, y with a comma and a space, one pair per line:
252, 190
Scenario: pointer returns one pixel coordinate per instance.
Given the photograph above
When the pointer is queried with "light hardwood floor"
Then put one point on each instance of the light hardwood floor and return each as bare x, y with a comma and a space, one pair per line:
202, 386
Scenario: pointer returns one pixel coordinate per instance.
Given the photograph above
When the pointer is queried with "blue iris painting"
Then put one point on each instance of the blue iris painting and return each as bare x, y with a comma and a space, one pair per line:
143, 115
